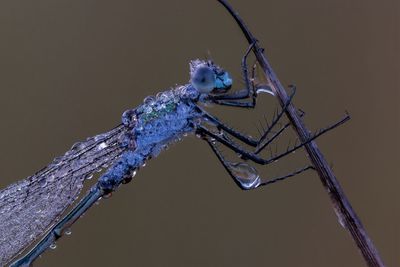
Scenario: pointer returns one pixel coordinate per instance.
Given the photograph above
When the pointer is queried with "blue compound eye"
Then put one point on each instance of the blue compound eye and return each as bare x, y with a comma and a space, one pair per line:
203, 79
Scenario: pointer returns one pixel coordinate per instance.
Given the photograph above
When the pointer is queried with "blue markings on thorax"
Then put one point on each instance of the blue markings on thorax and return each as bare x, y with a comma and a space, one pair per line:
155, 124
162, 120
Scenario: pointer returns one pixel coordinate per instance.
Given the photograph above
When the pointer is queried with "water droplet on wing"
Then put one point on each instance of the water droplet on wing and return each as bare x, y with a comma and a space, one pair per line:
102, 146
43, 182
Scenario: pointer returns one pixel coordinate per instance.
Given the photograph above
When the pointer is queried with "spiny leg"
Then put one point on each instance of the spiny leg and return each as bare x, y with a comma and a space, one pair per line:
253, 156
121, 172
260, 147
246, 176
279, 115
246, 138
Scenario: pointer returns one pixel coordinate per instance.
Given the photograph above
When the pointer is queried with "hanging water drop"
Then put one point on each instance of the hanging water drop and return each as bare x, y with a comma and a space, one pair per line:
53, 246
245, 174
68, 232
90, 176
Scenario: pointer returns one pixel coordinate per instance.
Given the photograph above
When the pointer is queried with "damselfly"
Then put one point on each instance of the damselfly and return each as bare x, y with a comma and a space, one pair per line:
32, 207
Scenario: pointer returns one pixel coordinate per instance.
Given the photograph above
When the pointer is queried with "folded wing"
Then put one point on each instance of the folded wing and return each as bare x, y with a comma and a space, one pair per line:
29, 207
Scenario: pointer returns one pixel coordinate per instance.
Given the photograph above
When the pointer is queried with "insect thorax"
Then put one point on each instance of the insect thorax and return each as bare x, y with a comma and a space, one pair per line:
159, 121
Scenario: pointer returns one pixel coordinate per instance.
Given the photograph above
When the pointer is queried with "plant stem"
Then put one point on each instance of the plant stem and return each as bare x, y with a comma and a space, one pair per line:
345, 213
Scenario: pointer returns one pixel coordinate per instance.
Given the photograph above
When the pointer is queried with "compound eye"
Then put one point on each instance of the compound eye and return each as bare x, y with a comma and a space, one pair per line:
203, 79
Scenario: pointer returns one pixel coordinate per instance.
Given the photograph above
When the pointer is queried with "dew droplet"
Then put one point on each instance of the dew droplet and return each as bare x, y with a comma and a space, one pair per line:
107, 195
102, 146
105, 166
245, 174
43, 182
53, 246
51, 178
90, 176
68, 232
148, 100
148, 109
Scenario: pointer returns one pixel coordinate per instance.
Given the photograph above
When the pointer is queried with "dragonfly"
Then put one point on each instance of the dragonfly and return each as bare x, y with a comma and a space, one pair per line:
33, 208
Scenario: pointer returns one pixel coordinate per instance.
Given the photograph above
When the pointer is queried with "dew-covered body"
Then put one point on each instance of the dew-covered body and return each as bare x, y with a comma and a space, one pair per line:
33, 207
29, 207
152, 127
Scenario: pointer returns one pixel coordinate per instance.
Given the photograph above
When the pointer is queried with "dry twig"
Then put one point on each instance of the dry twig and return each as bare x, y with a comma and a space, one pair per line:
341, 205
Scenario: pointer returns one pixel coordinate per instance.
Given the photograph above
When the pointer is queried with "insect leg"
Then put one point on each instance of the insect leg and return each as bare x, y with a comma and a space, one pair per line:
246, 138
253, 156
279, 115
231, 99
284, 177
246, 176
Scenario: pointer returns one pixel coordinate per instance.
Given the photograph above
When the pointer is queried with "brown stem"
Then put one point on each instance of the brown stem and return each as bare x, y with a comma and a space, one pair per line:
346, 215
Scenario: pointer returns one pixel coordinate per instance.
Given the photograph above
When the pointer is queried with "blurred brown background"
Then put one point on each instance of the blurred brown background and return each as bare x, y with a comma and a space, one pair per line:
68, 69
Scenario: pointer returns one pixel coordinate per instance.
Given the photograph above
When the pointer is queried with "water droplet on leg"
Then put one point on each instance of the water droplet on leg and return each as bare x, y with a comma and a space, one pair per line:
245, 174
